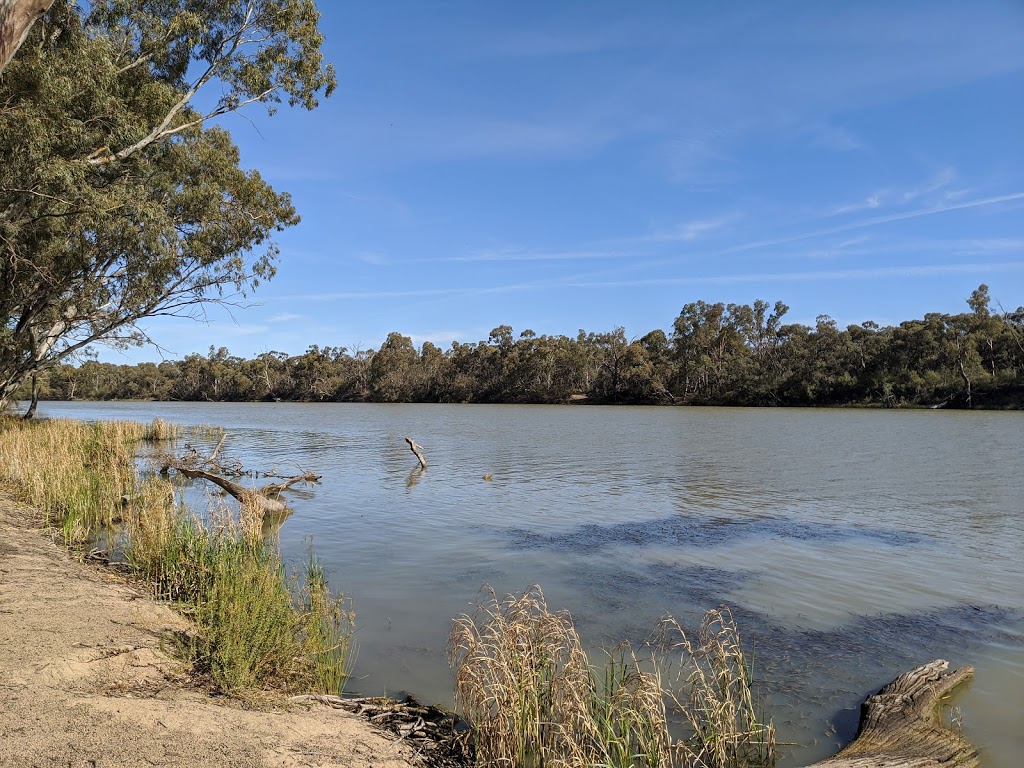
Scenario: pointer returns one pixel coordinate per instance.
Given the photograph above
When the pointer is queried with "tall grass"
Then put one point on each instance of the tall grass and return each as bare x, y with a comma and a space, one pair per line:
79, 474
257, 625
726, 725
158, 429
533, 698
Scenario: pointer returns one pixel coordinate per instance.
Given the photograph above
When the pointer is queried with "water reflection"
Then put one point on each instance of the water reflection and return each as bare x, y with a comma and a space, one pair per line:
415, 475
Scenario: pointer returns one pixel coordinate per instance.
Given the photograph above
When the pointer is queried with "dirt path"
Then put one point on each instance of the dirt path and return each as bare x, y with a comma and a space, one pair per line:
84, 683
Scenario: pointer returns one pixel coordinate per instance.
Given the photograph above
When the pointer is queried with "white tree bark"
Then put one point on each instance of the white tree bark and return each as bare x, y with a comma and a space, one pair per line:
16, 19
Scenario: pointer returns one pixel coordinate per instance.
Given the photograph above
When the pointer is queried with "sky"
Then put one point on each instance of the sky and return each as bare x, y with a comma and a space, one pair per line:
557, 166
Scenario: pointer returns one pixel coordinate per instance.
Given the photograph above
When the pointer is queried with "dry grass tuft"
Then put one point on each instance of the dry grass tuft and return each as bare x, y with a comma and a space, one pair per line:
726, 726
532, 697
160, 430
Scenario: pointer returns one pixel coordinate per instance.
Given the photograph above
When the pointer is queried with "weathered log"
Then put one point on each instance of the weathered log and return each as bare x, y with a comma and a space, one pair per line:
900, 726
250, 496
416, 449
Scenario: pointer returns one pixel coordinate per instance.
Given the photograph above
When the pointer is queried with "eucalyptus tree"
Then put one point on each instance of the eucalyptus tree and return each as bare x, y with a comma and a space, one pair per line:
120, 200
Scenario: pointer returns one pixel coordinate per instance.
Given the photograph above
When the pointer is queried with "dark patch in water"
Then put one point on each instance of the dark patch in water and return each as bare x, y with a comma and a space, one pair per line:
691, 530
668, 584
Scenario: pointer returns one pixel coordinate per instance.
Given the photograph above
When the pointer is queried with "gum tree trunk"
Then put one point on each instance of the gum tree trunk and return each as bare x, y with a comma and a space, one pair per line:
16, 19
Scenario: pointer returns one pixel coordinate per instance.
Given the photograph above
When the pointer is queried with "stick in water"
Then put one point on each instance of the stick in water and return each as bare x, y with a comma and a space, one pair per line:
416, 449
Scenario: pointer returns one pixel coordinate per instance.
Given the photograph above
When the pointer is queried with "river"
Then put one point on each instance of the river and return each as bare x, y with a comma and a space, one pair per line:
851, 544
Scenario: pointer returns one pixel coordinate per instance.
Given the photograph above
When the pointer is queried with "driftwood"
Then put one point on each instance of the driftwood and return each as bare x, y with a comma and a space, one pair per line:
435, 734
416, 449
264, 499
900, 727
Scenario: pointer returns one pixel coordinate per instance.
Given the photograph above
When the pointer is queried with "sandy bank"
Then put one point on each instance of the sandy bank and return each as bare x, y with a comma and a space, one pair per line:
84, 682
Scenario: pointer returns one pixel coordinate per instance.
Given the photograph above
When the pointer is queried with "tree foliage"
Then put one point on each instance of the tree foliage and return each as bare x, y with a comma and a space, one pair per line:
119, 200
716, 354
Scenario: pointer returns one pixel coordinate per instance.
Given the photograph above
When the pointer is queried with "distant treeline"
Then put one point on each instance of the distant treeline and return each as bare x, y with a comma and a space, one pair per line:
718, 354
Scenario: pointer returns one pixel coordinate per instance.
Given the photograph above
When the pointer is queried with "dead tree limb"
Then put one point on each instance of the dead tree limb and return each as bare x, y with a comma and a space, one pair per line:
416, 449
266, 499
16, 19
900, 726
252, 497
220, 444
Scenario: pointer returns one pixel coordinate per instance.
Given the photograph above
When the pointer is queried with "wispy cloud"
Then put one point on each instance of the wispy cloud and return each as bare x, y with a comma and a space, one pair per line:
919, 270
417, 293
556, 42
870, 203
376, 258
689, 231
523, 255
875, 221
701, 160
242, 329
941, 180
440, 338
890, 198
833, 137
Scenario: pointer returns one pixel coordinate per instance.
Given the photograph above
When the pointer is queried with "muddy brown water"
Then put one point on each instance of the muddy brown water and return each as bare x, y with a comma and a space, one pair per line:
851, 544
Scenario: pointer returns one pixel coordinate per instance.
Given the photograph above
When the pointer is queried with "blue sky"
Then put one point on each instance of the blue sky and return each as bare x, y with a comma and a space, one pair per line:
567, 165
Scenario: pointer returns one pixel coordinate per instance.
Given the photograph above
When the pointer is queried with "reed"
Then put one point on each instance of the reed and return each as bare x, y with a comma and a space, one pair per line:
525, 684
726, 725
159, 430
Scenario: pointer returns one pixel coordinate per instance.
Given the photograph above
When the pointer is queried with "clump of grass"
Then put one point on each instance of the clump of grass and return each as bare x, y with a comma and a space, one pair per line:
207, 431
727, 728
525, 683
159, 430
532, 697
258, 627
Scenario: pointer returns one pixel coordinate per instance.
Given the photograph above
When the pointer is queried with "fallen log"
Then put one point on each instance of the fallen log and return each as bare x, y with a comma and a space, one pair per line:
251, 497
265, 500
900, 726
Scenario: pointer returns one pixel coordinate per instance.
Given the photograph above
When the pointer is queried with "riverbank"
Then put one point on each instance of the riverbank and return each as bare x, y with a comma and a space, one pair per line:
86, 680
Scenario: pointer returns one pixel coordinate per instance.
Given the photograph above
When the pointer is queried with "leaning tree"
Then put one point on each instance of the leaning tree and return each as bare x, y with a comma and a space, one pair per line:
120, 197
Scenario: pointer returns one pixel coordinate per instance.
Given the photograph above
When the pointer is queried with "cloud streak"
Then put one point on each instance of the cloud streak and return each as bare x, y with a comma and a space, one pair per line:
875, 221
919, 270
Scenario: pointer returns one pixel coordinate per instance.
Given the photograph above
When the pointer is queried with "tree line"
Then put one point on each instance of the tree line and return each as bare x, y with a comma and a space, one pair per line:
714, 354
